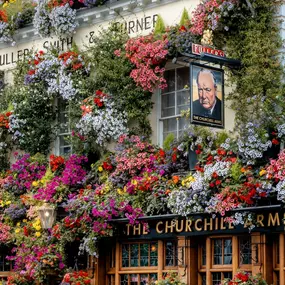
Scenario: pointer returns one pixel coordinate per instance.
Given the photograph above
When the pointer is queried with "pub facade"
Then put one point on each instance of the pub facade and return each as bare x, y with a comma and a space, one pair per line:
201, 206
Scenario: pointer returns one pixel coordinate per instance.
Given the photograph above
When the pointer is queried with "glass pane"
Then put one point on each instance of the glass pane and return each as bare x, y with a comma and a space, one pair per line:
124, 279
245, 250
183, 124
125, 255
134, 279
170, 126
63, 122
170, 254
183, 101
153, 255
228, 275
183, 78
168, 105
169, 75
134, 255
218, 251
227, 251
144, 251
216, 278
65, 150
143, 279
153, 277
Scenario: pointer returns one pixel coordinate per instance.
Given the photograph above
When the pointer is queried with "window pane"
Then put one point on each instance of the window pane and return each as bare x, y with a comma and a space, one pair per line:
169, 75
228, 275
170, 254
124, 279
182, 77
134, 279
183, 124
183, 101
245, 250
227, 251
144, 250
168, 105
134, 255
125, 255
143, 279
218, 251
170, 126
216, 278
153, 255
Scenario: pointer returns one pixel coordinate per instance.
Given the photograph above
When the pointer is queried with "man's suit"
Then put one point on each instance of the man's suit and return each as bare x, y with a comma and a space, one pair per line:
199, 110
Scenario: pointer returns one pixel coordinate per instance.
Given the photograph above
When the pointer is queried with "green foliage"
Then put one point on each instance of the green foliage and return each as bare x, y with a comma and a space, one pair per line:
112, 75
259, 86
168, 141
159, 26
236, 172
184, 18
221, 138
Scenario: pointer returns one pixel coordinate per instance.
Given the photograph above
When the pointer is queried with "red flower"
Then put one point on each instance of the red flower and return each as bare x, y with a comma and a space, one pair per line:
182, 29
275, 141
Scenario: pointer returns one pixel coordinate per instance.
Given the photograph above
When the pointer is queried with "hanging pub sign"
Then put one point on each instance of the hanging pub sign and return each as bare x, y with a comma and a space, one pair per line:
199, 49
207, 95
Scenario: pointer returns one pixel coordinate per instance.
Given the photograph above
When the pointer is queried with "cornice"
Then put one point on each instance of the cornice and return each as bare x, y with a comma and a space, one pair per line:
94, 16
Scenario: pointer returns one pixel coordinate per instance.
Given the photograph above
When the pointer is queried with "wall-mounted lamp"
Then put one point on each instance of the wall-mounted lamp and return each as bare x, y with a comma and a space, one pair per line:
47, 214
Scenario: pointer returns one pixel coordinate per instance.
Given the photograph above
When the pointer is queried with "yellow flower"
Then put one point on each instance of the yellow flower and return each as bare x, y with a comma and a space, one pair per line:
100, 168
18, 224
25, 220
35, 183
120, 192
5, 4
37, 234
38, 228
134, 182
8, 203
17, 230
262, 172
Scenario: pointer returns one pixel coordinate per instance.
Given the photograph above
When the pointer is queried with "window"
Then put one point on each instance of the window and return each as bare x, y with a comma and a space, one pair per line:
174, 99
63, 145
216, 257
141, 262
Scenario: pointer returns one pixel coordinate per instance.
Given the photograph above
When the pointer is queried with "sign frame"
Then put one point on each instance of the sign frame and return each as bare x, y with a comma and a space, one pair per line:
215, 117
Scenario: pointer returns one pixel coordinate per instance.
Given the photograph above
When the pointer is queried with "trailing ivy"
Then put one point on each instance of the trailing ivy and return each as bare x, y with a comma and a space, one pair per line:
259, 89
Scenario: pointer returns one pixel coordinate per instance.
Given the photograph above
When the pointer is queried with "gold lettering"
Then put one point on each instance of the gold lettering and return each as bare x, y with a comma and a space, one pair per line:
128, 229
231, 227
179, 230
222, 224
196, 225
137, 228
273, 220
188, 225
145, 231
247, 223
259, 219
167, 226
206, 224
216, 224
157, 227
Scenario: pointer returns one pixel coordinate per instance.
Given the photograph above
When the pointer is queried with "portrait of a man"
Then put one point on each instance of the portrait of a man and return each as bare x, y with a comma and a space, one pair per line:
207, 96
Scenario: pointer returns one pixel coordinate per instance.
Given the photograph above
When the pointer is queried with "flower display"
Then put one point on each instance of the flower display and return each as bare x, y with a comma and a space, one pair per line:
245, 278
148, 56
209, 14
76, 278
55, 17
100, 119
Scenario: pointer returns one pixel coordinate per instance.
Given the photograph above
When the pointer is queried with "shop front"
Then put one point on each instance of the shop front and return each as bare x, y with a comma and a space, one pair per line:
202, 250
